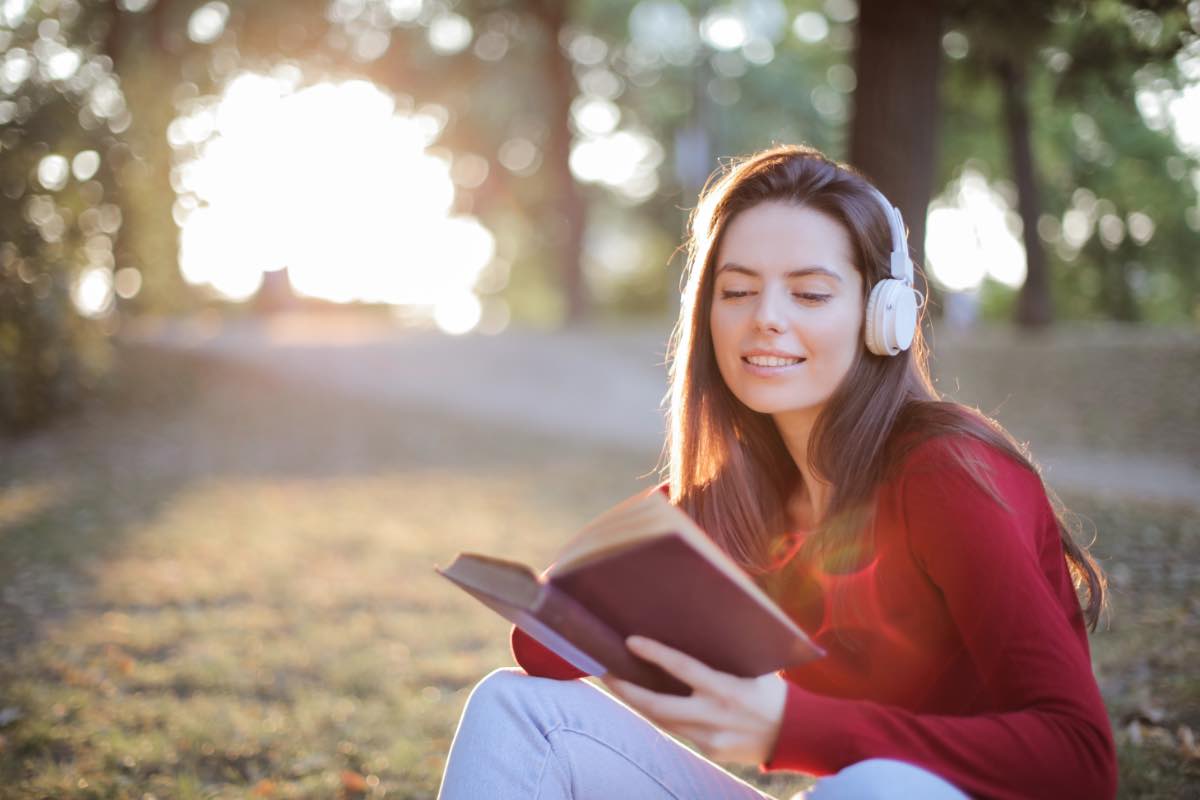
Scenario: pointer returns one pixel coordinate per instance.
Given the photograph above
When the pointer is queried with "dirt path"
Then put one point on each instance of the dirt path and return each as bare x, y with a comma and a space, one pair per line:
593, 385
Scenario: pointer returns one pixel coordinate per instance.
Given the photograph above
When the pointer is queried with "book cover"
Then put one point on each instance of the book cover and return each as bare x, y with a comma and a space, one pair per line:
642, 568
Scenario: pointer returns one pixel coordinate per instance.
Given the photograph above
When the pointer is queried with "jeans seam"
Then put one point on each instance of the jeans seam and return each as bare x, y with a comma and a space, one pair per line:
619, 752
541, 779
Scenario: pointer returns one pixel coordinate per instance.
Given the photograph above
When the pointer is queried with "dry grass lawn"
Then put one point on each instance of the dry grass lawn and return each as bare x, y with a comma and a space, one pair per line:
216, 584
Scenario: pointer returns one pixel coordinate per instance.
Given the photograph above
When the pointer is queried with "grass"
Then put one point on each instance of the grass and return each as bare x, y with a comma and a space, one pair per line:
216, 584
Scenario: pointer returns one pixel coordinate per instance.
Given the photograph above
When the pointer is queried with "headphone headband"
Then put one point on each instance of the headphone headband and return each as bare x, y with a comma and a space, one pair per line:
892, 307
900, 265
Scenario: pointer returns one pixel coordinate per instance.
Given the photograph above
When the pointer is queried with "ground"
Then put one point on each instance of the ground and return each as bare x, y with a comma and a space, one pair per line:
218, 582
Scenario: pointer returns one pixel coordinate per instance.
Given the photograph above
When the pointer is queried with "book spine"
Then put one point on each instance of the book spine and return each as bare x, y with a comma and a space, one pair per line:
572, 621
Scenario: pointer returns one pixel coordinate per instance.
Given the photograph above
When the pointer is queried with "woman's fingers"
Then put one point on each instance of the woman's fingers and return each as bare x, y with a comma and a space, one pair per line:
691, 671
667, 709
726, 717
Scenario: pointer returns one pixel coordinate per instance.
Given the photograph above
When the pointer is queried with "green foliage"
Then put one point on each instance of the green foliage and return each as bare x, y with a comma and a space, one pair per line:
49, 356
1104, 160
61, 109
1106, 168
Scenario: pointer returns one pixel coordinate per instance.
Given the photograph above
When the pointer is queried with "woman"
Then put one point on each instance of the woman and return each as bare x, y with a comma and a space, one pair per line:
910, 536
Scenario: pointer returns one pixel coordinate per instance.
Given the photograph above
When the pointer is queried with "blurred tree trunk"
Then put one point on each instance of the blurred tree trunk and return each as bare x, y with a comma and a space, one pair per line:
694, 147
567, 213
893, 134
1035, 307
145, 50
1116, 293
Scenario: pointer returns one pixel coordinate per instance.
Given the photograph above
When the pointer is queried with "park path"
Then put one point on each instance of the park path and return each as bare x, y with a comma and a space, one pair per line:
590, 385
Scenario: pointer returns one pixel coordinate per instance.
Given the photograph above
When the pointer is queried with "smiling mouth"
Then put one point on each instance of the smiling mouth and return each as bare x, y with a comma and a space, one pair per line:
772, 361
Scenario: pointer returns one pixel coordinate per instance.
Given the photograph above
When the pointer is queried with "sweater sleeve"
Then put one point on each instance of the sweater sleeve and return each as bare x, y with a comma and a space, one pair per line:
1001, 576
540, 661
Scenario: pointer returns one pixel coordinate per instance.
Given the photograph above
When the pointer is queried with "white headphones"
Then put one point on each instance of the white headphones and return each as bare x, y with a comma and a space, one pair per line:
891, 317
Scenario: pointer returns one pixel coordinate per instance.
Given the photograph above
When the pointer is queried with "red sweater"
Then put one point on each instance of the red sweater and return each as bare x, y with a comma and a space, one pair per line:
972, 658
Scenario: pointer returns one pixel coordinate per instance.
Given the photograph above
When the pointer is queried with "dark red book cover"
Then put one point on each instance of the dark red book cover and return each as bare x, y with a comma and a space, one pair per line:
659, 586
665, 590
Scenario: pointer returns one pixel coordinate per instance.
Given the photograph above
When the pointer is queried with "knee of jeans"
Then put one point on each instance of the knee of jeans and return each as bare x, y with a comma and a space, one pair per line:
511, 688
879, 779
496, 686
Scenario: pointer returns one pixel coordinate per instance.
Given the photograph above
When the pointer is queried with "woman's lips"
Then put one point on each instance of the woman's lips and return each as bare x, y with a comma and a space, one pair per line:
767, 366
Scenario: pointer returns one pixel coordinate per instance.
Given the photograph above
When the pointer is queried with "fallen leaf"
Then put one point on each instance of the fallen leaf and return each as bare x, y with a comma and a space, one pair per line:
1160, 736
264, 788
1145, 713
353, 782
1187, 742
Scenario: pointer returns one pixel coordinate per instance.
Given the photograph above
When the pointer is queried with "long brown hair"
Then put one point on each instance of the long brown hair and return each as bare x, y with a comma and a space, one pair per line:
728, 466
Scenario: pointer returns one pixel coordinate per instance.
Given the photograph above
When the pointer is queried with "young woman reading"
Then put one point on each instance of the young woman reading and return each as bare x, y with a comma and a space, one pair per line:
910, 536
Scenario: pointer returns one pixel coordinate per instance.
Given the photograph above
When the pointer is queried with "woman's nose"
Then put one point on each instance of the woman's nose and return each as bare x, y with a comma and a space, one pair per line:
768, 315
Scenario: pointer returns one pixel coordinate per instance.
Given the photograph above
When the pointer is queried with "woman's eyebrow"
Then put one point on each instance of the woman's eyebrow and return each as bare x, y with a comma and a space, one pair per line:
729, 266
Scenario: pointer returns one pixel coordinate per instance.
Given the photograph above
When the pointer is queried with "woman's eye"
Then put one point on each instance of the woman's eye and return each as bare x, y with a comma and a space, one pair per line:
732, 294
811, 297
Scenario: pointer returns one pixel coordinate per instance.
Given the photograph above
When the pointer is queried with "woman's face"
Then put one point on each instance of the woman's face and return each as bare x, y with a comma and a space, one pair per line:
787, 309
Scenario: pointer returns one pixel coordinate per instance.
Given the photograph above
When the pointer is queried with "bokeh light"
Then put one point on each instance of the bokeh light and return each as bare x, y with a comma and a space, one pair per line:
92, 292
53, 172
663, 29
724, 29
85, 164
207, 22
810, 27
450, 33
127, 282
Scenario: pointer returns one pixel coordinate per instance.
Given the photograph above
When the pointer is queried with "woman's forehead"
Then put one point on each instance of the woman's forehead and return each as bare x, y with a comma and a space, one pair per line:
782, 239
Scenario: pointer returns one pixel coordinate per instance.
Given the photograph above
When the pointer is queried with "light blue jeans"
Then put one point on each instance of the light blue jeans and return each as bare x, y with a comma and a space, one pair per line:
537, 739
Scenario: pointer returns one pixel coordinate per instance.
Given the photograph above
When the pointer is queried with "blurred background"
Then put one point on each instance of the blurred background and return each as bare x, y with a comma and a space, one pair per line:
301, 297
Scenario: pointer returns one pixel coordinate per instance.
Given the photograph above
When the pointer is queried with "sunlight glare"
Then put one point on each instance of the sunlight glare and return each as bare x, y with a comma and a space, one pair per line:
626, 161
1184, 109
333, 183
458, 314
967, 237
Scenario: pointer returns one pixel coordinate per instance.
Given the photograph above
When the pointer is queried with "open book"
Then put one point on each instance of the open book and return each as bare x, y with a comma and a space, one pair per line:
643, 567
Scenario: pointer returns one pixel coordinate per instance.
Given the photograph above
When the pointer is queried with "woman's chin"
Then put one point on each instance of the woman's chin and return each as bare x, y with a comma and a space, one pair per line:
779, 407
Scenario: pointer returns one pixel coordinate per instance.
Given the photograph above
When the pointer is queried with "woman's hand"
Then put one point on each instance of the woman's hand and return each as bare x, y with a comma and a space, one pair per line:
728, 718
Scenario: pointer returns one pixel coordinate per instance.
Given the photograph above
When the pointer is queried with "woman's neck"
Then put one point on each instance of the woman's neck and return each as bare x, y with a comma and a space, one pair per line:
807, 506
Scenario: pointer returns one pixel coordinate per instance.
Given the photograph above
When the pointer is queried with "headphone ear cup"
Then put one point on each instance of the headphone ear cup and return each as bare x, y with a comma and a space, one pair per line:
891, 318
872, 328
904, 316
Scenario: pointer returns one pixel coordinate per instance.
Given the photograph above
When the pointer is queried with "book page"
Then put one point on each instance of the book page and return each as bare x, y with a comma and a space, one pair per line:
628, 521
508, 581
